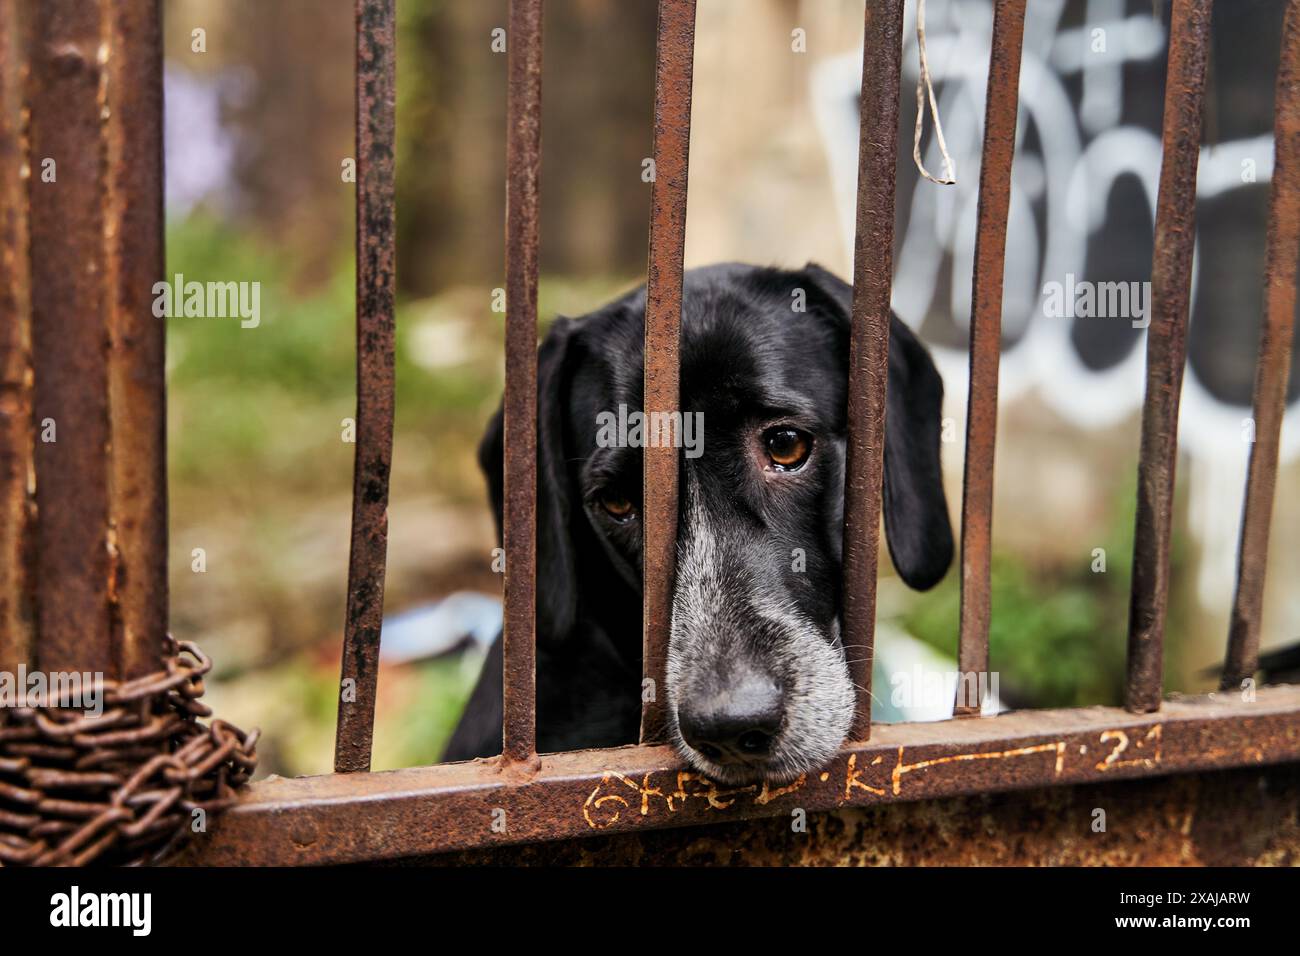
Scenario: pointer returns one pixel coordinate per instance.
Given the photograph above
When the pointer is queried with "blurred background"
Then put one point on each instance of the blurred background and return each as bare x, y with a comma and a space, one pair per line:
260, 124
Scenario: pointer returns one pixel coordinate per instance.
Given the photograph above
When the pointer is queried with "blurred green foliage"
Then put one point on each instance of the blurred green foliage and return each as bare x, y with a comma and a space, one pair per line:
260, 477
264, 401
295, 705
437, 694
247, 401
1058, 634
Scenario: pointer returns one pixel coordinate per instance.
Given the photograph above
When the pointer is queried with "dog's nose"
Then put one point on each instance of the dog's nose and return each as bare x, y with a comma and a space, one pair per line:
736, 724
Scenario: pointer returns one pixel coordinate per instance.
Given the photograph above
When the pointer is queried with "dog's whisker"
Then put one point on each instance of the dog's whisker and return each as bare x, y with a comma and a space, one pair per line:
864, 690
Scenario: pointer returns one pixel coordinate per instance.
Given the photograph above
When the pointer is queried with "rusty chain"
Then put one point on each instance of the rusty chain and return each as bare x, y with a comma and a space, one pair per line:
122, 787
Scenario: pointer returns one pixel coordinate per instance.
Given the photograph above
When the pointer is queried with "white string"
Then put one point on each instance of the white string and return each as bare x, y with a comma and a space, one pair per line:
923, 85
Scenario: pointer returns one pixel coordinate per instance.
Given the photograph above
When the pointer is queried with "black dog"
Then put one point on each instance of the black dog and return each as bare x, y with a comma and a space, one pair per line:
758, 686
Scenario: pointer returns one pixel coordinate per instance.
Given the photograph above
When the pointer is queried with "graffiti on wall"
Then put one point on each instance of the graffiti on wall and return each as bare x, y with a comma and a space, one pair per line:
1079, 246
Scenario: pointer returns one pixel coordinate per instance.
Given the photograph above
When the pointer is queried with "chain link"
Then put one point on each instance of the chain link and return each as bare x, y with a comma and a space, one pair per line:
122, 787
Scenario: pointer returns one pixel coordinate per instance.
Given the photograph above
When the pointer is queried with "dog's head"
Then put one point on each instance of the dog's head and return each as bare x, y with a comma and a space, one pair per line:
758, 681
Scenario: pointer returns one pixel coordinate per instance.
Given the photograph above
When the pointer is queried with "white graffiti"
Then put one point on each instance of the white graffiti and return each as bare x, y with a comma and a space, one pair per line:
1078, 156
1066, 176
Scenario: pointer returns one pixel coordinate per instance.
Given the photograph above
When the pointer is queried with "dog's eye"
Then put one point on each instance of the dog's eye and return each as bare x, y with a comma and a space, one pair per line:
616, 506
787, 448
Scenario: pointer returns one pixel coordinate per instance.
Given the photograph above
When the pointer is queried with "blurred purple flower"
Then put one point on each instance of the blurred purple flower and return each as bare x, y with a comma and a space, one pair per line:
199, 147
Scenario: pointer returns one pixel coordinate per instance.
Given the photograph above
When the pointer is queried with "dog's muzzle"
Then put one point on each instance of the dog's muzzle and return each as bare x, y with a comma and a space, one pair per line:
757, 690
741, 718
736, 723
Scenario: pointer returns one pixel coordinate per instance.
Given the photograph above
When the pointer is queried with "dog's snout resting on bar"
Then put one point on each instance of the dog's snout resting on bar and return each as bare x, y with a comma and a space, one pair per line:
758, 677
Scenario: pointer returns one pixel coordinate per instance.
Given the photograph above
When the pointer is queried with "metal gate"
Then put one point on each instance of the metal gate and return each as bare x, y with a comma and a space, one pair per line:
83, 534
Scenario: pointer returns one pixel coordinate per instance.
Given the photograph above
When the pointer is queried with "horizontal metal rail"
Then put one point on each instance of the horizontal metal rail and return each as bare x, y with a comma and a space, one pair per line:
360, 817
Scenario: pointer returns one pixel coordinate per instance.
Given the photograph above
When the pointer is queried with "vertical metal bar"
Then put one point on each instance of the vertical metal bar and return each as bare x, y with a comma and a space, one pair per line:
70, 356
1274, 366
16, 503
375, 122
133, 232
97, 351
1171, 272
1001, 104
523, 165
674, 69
873, 266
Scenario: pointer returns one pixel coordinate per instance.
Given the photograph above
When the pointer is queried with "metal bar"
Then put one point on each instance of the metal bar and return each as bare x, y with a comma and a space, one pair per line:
1171, 273
132, 94
523, 166
70, 357
348, 819
16, 449
1001, 104
1274, 368
674, 68
873, 268
375, 123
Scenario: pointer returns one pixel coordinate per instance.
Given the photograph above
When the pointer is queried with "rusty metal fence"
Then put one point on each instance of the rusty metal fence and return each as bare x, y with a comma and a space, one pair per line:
83, 490
355, 815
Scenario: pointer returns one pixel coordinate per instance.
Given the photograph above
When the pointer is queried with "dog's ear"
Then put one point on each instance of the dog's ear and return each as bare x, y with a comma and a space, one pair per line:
557, 591
917, 528
916, 509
